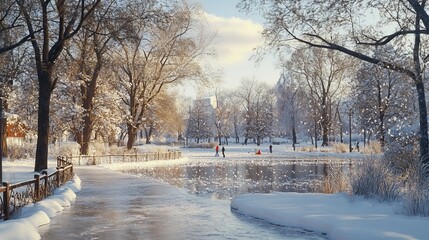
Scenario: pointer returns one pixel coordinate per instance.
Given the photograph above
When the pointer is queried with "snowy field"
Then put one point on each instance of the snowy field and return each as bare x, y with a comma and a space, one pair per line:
338, 215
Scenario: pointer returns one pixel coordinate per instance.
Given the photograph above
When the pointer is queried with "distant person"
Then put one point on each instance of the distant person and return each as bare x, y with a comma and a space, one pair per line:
217, 151
357, 146
271, 148
223, 151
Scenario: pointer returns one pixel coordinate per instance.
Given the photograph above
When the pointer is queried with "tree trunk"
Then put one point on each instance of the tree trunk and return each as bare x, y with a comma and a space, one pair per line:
45, 91
423, 122
132, 133
3, 129
325, 124
237, 138
86, 133
148, 134
315, 132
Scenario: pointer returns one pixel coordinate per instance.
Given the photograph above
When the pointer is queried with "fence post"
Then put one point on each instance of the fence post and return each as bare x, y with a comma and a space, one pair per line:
45, 190
6, 200
36, 187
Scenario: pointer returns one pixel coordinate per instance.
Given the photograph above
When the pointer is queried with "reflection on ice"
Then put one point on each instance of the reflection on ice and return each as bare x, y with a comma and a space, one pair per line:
226, 179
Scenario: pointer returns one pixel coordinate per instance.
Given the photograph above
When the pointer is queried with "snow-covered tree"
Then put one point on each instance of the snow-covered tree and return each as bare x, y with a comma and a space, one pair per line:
154, 52
86, 58
382, 97
257, 101
290, 102
50, 26
322, 75
222, 115
200, 121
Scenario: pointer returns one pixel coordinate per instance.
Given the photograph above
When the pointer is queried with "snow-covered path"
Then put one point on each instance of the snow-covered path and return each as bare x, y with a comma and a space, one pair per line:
112, 205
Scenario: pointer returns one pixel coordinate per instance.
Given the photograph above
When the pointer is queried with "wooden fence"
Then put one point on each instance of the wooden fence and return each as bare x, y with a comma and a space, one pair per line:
123, 158
14, 196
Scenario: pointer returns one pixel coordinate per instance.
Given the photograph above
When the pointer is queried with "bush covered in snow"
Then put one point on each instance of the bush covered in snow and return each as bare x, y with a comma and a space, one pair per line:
64, 149
373, 179
416, 192
17, 151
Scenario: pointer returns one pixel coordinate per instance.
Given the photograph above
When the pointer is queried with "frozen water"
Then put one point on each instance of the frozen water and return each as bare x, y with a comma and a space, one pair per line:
227, 179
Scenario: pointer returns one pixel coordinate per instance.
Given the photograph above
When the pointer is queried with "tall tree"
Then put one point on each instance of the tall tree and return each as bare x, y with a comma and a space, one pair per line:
200, 121
290, 101
312, 23
382, 98
160, 49
50, 25
87, 58
322, 75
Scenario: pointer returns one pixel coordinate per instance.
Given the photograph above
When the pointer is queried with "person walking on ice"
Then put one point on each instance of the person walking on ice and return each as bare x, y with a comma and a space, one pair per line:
217, 151
223, 151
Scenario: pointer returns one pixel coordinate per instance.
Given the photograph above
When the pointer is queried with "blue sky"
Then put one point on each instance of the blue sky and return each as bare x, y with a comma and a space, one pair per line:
237, 35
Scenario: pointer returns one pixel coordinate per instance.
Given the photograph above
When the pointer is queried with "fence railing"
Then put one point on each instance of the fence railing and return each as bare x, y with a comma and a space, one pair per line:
123, 158
15, 196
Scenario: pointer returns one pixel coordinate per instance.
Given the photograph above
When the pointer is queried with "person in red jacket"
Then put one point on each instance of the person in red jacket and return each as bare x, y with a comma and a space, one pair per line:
217, 151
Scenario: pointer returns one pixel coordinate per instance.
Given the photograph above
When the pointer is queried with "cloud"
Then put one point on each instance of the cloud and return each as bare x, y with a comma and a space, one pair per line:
235, 38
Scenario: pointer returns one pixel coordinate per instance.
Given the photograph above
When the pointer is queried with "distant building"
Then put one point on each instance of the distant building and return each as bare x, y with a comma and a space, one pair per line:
15, 131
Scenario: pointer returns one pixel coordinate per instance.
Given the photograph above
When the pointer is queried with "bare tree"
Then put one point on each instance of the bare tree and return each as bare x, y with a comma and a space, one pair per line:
258, 110
199, 124
87, 57
322, 75
50, 25
162, 116
161, 51
290, 101
382, 98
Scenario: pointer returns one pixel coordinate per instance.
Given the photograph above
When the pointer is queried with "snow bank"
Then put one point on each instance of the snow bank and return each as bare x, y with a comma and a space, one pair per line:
35, 215
337, 215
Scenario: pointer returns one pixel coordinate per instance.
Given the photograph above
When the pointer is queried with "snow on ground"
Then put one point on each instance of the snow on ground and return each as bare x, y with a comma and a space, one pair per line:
32, 216
337, 215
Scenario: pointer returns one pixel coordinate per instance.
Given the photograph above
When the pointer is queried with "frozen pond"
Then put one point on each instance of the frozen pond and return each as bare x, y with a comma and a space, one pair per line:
226, 179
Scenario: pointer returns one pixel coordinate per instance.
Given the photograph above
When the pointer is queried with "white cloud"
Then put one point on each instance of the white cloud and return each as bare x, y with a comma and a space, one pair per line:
235, 39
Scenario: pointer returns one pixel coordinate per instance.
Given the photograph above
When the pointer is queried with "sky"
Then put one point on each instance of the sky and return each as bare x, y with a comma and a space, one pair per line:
237, 34
339, 216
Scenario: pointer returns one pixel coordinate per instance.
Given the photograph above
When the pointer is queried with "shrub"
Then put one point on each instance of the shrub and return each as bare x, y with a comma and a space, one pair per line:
399, 155
335, 180
17, 151
64, 149
202, 145
310, 148
373, 179
416, 193
373, 147
341, 148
